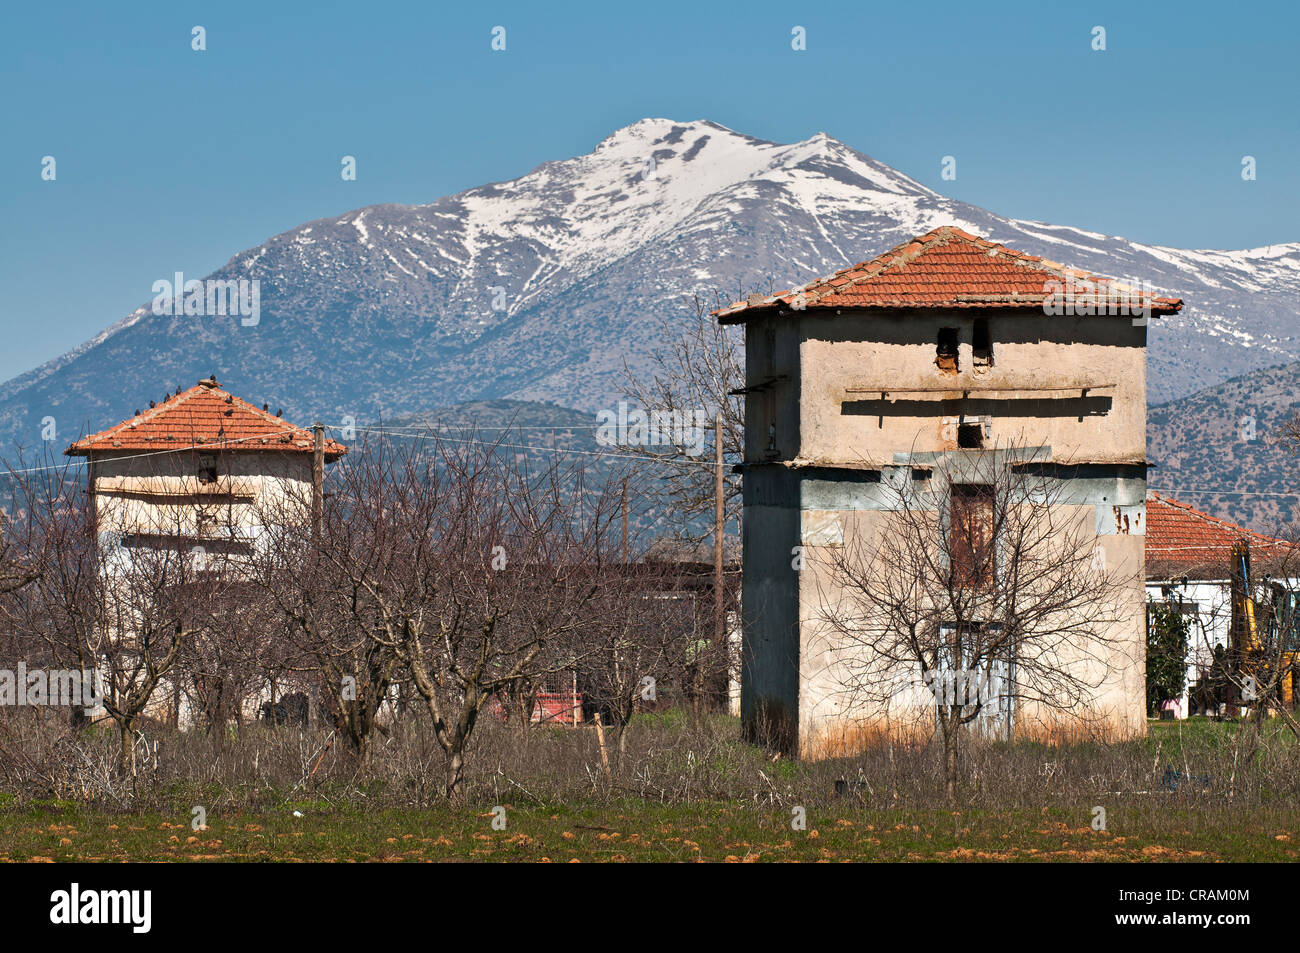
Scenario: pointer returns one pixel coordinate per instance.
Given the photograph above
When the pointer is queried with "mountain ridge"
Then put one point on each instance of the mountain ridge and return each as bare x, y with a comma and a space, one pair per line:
537, 288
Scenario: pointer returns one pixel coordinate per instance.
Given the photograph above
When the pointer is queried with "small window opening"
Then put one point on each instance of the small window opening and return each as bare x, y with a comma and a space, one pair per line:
982, 344
946, 350
207, 469
970, 436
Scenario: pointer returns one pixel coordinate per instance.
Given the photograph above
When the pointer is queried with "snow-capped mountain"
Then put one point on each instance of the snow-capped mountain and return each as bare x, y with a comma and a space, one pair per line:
540, 288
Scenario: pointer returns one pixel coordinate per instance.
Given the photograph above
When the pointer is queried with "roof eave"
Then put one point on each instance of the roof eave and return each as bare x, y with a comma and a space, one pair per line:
78, 451
741, 315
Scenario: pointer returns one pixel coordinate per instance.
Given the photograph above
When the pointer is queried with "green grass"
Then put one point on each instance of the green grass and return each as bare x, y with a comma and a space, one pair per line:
637, 832
1203, 734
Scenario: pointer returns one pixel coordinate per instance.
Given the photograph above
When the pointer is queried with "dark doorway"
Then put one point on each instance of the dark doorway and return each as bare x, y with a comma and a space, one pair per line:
970, 534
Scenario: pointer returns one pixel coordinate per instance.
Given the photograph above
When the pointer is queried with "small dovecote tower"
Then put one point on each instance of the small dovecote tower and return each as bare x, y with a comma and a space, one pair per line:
201, 468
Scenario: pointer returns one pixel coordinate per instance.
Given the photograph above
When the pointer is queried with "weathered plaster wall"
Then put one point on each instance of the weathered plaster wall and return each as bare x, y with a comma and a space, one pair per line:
865, 353
836, 719
158, 493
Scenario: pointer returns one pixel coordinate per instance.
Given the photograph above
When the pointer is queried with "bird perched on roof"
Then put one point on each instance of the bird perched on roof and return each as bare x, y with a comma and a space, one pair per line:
151, 405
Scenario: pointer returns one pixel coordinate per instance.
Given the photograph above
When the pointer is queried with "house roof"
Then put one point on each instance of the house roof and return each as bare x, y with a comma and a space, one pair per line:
667, 549
950, 268
208, 418
1183, 541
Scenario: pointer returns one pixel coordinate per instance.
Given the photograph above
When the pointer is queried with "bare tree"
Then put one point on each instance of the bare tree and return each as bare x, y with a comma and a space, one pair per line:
643, 628
1288, 434
121, 603
505, 589
19, 555
314, 576
230, 659
451, 563
702, 368
976, 600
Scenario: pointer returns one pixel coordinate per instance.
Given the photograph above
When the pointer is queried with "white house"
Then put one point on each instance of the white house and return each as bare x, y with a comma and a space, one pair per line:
1189, 567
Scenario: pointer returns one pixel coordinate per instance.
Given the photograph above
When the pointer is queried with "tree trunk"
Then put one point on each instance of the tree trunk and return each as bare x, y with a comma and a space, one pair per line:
124, 756
950, 759
363, 747
456, 776
524, 705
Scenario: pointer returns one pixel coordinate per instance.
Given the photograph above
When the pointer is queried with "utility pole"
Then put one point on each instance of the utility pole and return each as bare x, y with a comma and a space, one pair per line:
624, 521
317, 479
719, 521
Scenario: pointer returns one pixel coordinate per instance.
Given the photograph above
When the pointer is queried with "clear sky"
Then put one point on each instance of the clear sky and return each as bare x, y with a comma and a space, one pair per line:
168, 159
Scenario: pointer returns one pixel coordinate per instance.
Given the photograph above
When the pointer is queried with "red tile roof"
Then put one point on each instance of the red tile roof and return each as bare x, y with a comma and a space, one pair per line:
208, 418
949, 268
1183, 541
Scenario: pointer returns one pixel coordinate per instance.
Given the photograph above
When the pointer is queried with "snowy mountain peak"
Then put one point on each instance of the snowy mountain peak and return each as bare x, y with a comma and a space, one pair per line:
541, 287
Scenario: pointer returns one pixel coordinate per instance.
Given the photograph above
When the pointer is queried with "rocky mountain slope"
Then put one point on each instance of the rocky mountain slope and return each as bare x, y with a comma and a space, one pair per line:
1219, 449
540, 288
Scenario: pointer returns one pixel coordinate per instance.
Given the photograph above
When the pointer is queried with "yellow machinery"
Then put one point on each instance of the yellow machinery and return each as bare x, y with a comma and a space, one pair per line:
1253, 656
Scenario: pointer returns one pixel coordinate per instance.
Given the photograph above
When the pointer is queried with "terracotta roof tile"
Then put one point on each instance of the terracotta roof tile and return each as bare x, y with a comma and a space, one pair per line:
947, 268
204, 417
1182, 540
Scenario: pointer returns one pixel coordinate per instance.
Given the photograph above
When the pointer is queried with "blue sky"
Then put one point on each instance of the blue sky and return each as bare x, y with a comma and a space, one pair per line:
173, 160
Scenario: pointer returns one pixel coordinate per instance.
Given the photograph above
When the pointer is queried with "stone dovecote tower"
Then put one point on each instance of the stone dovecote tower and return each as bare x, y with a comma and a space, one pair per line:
908, 367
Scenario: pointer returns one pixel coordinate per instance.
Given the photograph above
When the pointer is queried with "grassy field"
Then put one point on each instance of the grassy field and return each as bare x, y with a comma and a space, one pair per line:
722, 832
719, 801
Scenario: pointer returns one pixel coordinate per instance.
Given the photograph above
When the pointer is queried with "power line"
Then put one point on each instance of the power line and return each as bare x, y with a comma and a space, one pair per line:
382, 431
472, 426
157, 453
1190, 488
620, 454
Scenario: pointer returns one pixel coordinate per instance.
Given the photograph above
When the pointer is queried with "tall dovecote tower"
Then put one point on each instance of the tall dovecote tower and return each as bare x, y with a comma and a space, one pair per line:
912, 369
